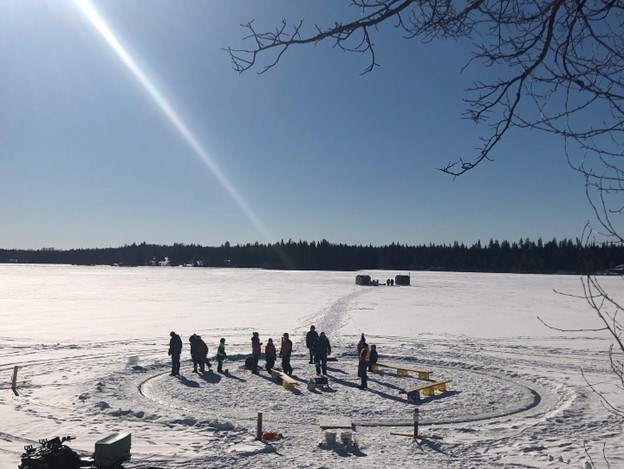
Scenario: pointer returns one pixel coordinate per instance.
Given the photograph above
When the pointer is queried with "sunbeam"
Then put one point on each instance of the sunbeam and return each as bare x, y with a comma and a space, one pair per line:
168, 110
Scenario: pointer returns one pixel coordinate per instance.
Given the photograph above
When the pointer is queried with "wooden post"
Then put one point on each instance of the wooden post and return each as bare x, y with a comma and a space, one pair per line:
415, 423
14, 379
259, 427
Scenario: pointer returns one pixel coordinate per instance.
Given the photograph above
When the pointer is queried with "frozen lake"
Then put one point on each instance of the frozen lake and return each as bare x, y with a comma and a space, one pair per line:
517, 395
69, 303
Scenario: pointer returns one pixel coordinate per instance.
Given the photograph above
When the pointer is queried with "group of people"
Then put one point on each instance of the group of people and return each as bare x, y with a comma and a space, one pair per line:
199, 353
270, 353
318, 345
367, 357
319, 348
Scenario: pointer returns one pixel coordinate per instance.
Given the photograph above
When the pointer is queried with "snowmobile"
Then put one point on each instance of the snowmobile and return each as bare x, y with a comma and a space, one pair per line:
110, 453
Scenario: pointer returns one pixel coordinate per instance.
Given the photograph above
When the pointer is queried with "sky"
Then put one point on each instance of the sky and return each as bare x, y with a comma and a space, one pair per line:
123, 121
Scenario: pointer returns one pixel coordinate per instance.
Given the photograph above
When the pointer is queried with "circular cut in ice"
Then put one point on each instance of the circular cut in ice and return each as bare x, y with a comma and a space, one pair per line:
470, 396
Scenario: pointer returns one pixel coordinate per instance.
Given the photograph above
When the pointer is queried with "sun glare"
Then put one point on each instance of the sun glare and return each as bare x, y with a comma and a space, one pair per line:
168, 110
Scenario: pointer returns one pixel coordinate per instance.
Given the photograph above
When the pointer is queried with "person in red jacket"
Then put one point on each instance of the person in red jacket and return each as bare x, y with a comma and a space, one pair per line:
256, 351
285, 352
270, 354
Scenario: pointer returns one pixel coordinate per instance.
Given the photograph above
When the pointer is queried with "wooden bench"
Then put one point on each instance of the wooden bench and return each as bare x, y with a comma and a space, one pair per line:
428, 389
288, 383
403, 371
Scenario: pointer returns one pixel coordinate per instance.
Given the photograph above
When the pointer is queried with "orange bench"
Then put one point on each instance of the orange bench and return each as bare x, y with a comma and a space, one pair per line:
403, 370
428, 389
288, 383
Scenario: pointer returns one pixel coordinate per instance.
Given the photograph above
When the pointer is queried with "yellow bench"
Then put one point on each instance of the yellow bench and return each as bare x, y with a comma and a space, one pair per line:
403, 371
426, 389
288, 383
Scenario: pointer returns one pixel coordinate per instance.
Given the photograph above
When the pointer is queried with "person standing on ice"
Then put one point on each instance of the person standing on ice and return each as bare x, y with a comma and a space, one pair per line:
312, 338
199, 352
373, 357
221, 355
364, 359
285, 352
270, 354
321, 350
361, 343
256, 351
175, 350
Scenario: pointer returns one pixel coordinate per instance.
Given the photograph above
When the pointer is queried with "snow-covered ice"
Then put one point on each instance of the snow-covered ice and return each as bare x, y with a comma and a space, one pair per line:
92, 346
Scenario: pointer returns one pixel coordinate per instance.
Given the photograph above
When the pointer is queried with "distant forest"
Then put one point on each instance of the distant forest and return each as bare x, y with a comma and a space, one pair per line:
524, 256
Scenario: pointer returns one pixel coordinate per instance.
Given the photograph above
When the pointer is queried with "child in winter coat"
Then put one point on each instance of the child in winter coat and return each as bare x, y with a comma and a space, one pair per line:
270, 354
364, 359
221, 355
373, 357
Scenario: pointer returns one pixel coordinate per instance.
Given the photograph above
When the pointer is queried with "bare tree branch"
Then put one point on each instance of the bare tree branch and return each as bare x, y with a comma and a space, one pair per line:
600, 329
559, 64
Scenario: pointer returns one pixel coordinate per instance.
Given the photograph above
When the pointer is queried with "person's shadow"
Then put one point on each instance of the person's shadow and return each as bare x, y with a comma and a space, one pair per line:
210, 377
188, 382
343, 382
234, 377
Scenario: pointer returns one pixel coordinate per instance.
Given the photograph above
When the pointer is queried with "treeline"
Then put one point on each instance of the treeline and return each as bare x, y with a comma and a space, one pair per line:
524, 256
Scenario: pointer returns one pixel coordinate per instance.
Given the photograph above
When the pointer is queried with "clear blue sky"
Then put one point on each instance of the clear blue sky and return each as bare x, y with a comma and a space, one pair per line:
309, 150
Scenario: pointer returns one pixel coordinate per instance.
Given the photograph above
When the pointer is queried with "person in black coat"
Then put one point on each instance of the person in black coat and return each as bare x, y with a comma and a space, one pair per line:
363, 361
311, 340
256, 351
199, 352
321, 350
373, 357
361, 343
175, 350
